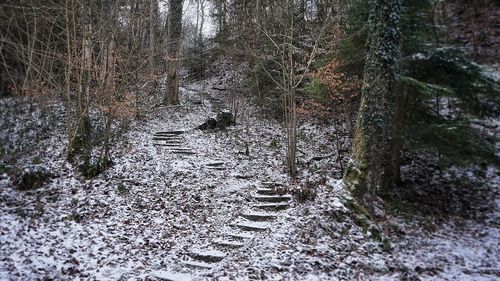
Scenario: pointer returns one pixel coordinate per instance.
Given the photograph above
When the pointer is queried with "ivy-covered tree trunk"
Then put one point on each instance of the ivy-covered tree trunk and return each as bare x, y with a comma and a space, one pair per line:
373, 130
173, 44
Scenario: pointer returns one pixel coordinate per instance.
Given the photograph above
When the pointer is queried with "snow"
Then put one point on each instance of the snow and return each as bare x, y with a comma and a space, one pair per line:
90, 229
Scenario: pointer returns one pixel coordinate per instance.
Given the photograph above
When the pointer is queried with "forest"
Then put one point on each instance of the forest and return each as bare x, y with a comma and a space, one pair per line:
250, 140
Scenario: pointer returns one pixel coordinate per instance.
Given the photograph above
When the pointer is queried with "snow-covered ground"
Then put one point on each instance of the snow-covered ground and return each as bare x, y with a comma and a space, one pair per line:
145, 217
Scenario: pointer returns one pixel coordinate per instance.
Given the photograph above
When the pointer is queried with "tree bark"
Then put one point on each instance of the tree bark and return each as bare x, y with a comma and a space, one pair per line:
153, 4
374, 123
173, 44
392, 175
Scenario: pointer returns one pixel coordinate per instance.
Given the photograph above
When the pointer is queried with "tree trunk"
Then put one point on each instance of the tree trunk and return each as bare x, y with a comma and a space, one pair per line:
374, 123
392, 175
174, 35
152, 18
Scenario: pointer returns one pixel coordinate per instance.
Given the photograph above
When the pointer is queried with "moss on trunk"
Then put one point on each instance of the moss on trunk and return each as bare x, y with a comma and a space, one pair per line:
374, 122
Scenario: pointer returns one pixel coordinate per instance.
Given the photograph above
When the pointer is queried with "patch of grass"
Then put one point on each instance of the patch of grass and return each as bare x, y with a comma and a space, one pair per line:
53, 198
75, 216
37, 160
122, 189
274, 144
20, 212
4, 169
386, 245
74, 202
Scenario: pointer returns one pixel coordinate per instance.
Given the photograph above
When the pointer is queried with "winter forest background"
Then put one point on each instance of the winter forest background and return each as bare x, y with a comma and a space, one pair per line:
249, 140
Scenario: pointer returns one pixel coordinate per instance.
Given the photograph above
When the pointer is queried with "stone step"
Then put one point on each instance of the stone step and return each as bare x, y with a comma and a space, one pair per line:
169, 133
196, 264
266, 191
209, 256
181, 149
168, 144
240, 235
182, 152
258, 216
272, 206
215, 164
273, 198
228, 243
168, 139
217, 168
252, 226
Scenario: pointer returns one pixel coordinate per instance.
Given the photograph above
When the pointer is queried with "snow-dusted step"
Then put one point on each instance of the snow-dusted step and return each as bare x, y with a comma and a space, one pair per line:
258, 216
272, 206
207, 255
228, 243
169, 276
266, 191
197, 264
273, 198
167, 139
168, 144
240, 235
215, 164
169, 133
183, 152
180, 150
252, 226
217, 168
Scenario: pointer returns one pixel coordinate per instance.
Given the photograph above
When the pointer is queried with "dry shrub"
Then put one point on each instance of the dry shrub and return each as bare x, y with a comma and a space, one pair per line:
341, 87
344, 92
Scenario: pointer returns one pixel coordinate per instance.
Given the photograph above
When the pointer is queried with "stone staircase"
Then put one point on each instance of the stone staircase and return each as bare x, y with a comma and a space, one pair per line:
172, 142
266, 204
240, 233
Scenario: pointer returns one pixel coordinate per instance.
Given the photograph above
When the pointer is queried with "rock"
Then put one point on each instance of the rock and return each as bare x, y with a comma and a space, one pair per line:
32, 178
224, 120
210, 124
221, 121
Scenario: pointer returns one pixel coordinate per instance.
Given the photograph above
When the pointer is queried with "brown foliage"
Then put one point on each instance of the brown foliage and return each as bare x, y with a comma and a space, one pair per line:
342, 88
343, 94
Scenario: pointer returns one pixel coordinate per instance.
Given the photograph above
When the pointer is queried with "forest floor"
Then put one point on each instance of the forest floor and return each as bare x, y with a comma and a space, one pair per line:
159, 215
